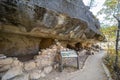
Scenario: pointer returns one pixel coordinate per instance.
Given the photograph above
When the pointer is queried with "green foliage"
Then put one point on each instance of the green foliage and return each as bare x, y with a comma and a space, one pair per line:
110, 60
107, 30
109, 9
111, 4
110, 31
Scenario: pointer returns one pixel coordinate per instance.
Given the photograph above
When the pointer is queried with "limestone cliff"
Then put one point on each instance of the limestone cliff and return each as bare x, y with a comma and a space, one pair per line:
37, 23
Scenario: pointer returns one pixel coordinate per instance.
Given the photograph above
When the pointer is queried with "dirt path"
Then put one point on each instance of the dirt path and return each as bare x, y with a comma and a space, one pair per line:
92, 70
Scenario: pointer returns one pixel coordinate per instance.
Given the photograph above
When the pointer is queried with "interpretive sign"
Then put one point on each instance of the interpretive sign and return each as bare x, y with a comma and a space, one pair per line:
71, 53
68, 54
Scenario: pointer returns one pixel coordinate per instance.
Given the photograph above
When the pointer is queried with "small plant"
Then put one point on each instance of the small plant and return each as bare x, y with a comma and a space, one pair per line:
109, 60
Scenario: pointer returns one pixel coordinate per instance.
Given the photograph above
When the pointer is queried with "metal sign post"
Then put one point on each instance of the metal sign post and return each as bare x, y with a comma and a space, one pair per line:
68, 54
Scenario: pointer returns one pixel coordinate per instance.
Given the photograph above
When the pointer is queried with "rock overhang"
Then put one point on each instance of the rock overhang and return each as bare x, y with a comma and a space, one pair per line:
69, 21
47, 13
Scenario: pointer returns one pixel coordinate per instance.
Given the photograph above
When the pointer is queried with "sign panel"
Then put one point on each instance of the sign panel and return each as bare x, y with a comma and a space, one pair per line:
70, 53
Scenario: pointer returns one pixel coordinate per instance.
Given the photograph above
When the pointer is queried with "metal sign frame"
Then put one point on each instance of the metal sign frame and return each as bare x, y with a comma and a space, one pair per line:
68, 54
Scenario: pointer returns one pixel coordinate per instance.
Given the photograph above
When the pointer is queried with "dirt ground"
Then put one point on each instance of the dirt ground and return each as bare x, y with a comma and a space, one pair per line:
92, 70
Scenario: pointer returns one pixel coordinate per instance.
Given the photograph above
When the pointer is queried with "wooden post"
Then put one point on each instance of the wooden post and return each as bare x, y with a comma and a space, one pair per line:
61, 64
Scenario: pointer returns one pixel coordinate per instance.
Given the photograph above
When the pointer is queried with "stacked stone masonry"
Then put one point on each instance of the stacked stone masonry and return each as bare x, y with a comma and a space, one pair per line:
40, 66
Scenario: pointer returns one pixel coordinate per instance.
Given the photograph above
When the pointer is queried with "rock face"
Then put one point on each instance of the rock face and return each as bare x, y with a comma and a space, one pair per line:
12, 73
13, 45
27, 25
49, 13
22, 77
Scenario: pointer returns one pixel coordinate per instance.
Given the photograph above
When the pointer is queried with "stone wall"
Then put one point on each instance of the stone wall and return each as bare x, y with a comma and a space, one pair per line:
42, 64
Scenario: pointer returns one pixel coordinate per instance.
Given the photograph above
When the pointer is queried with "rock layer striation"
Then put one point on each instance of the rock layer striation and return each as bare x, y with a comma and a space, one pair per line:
37, 23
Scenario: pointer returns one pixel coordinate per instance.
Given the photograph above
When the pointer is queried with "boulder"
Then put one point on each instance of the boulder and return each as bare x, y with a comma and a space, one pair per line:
46, 62
42, 74
12, 73
35, 74
5, 68
29, 65
47, 69
16, 62
38, 63
6, 61
2, 56
22, 77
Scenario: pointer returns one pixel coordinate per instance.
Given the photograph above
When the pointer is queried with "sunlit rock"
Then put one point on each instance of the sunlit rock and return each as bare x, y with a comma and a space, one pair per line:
26, 26
12, 73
